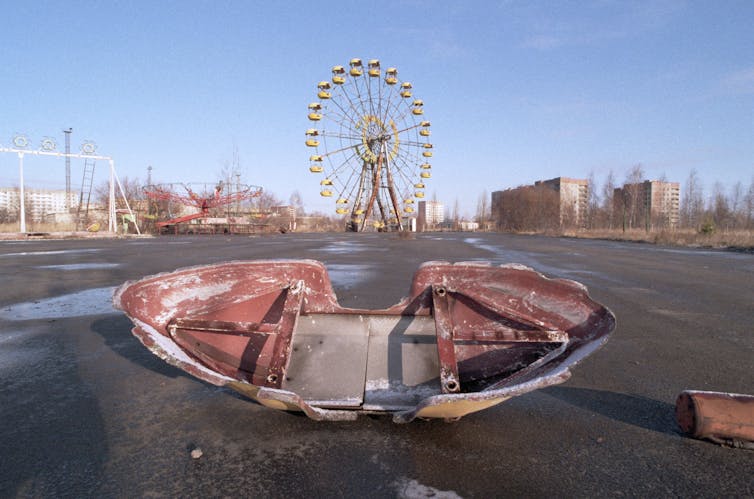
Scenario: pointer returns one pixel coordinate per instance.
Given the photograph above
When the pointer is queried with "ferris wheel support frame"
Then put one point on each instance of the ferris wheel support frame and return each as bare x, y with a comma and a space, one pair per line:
391, 191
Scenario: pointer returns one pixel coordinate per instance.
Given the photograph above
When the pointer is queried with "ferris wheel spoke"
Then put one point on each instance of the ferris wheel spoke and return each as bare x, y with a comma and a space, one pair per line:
330, 153
341, 136
340, 117
343, 165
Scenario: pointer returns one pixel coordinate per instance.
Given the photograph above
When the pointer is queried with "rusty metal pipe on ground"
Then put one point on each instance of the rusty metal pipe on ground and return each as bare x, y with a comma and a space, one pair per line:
723, 418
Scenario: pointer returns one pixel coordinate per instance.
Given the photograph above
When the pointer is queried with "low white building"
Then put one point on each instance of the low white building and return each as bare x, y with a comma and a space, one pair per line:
40, 203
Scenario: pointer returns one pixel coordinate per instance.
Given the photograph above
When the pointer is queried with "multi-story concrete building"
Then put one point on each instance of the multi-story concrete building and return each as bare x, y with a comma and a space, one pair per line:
431, 214
40, 203
649, 204
573, 196
558, 202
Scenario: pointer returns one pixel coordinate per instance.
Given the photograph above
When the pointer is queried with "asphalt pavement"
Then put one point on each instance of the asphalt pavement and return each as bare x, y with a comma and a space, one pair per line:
87, 411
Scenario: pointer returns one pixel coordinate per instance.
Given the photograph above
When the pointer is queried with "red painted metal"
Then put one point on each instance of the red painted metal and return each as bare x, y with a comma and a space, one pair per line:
259, 326
724, 418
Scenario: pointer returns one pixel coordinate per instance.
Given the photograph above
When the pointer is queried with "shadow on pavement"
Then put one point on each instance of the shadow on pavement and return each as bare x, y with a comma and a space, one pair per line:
635, 410
116, 331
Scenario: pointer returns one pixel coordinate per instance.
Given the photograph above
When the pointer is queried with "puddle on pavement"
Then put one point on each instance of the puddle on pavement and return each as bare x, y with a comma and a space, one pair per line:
342, 247
348, 275
96, 301
52, 252
80, 266
503, 255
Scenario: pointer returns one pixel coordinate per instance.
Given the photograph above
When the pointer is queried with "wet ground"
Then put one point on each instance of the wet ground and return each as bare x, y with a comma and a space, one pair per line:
87, 411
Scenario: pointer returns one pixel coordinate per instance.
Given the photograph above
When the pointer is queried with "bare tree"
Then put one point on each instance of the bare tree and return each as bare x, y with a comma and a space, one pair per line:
692, 204
297, 202
721, 213
749, 206
608, 191
529, 208
634, 205
592, 202
266, 201
737, 206
133, 190
482, 209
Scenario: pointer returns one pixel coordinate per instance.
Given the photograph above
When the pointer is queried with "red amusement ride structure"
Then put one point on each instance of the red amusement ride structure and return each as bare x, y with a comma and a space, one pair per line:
202, 197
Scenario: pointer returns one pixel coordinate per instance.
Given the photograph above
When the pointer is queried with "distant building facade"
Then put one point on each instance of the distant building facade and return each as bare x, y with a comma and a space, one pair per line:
431, 214
651, 204
548, 204
573, 199
40, 203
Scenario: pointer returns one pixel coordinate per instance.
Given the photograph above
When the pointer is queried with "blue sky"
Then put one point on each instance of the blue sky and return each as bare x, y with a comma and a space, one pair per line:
516, 91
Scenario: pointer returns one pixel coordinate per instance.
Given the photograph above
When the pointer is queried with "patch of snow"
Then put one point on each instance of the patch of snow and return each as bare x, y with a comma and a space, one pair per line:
412, 489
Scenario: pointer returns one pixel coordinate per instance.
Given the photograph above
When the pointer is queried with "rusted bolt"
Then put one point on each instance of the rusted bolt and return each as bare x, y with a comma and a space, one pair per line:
440, 291
452, 385
272, 378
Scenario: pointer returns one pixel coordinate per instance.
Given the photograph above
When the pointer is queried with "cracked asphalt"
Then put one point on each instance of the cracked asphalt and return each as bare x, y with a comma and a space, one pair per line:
87, 411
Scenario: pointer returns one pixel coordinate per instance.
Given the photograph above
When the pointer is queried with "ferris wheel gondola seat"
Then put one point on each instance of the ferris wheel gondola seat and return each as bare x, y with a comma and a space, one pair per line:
327, 193
315, 116
312, 143
316, 169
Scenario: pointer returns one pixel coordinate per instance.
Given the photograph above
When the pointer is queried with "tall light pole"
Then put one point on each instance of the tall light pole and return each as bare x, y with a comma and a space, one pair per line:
22, 199
68, 168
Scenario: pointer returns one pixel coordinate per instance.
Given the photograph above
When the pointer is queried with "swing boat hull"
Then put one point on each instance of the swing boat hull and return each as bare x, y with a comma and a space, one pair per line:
467, 337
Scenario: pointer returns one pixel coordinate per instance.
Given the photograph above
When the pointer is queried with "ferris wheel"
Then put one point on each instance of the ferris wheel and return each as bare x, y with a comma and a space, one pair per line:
370, 145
